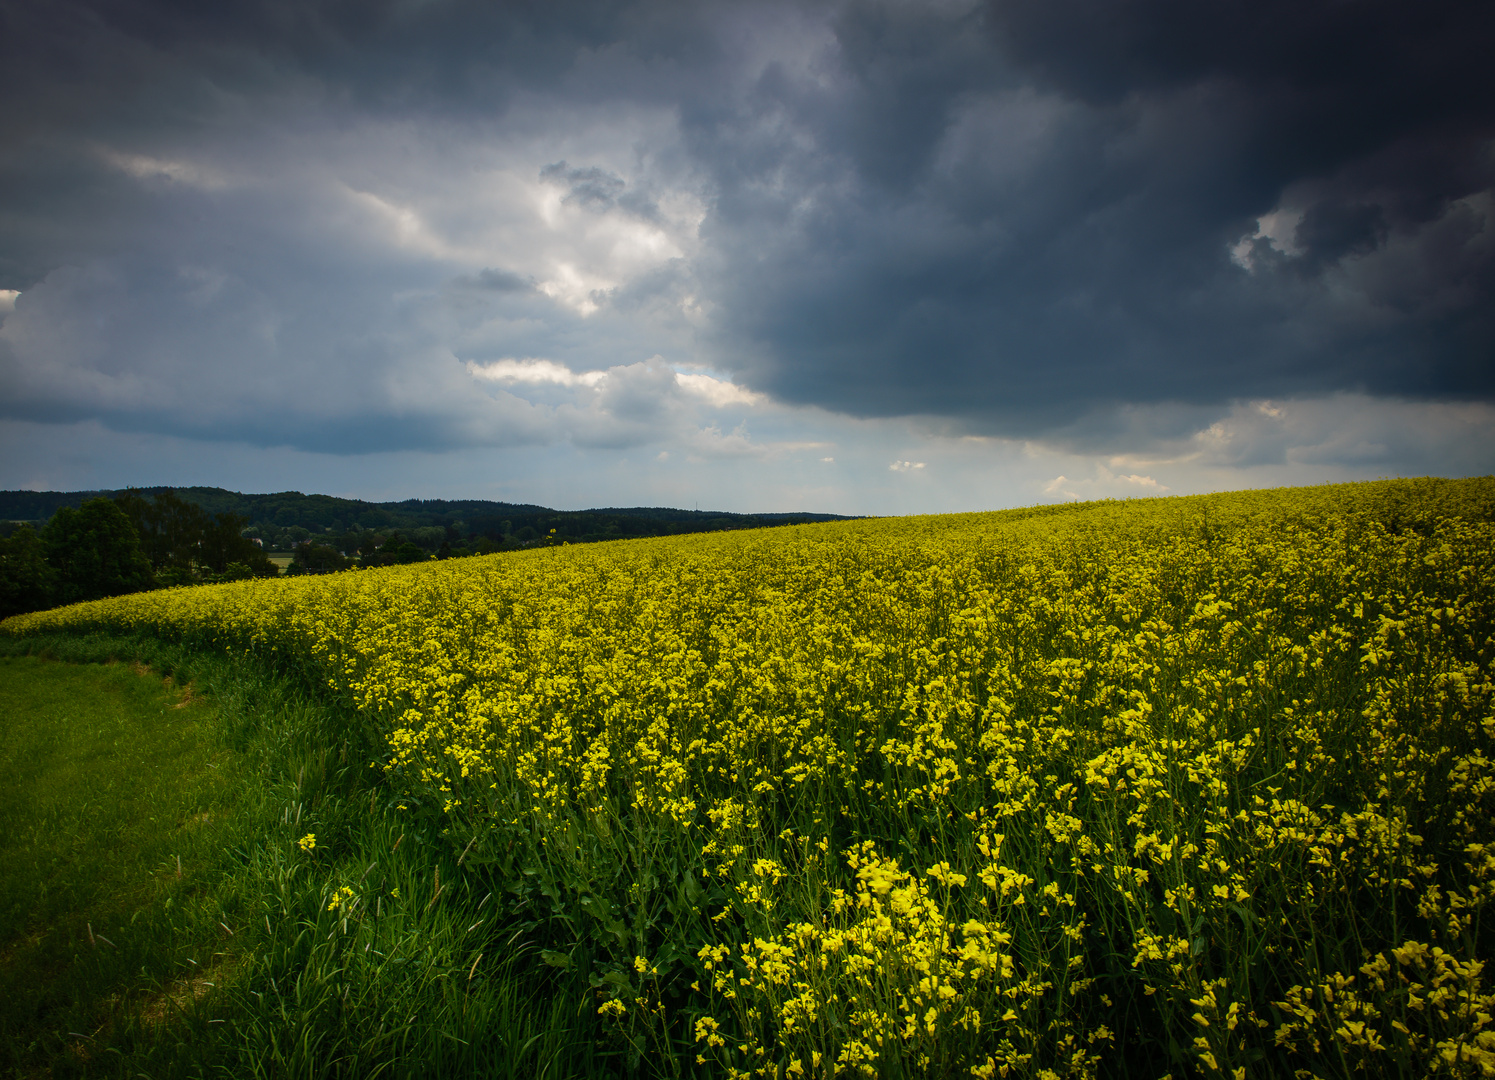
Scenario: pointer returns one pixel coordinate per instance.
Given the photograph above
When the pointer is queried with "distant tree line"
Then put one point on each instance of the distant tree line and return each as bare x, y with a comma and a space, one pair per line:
60, 547
285, 520
371, 548
108, 547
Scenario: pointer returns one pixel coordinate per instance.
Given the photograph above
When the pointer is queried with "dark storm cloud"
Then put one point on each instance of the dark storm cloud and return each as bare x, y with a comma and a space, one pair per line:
148, 64
1387, 106
1020, 216
1026, 211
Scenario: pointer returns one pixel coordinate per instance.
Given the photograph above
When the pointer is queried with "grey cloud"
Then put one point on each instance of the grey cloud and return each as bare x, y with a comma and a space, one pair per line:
1330, 231
622, 407
639, 393
594, 188
1352, 431
1098, 272
449, 54
1353, 434
598, 190
499, 281
208, 354
1022, 217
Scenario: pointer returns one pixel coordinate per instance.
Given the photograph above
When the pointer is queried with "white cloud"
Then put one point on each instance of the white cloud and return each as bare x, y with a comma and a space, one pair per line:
711, 442
1105, 484
1278, 229
906, 466
636, 404
719, 393
145, 167
577, 290
404, 226
8, 299
534, 371
1354, 431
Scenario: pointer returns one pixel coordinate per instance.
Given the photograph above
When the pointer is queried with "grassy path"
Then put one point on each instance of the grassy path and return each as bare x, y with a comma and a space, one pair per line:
118, 803
160, 916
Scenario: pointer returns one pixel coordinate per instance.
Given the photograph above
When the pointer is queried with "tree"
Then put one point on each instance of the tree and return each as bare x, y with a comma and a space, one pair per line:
395, 549
223, 542
409, 553
27, 582
311, 556
96, 552
182, 539
171, 528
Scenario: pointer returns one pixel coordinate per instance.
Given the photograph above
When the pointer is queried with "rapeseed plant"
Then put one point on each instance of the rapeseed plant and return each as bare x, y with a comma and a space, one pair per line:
1202, 785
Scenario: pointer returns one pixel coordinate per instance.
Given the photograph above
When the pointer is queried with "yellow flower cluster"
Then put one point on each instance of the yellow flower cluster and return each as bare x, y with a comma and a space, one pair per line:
1198, 785
885, 973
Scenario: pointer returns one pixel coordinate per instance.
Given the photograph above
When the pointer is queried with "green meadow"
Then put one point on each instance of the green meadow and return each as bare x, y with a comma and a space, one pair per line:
159, 918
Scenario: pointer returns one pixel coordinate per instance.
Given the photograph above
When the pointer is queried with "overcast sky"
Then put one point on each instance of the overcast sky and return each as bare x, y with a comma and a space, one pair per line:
862, 257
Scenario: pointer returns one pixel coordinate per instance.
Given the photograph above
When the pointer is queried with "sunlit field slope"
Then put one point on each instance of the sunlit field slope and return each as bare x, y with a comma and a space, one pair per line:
1198, 785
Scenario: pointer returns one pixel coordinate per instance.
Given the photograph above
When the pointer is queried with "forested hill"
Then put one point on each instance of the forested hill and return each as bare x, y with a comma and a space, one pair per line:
292, 516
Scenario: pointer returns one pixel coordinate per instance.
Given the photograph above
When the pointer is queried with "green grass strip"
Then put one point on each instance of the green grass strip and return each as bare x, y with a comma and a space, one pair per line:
164, 911
118, 803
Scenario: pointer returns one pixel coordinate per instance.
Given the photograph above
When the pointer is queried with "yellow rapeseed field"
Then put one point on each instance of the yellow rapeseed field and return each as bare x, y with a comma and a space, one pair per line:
1203, 785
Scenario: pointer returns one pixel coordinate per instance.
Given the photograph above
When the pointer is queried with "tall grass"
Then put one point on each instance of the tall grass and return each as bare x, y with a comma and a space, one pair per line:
364, 953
